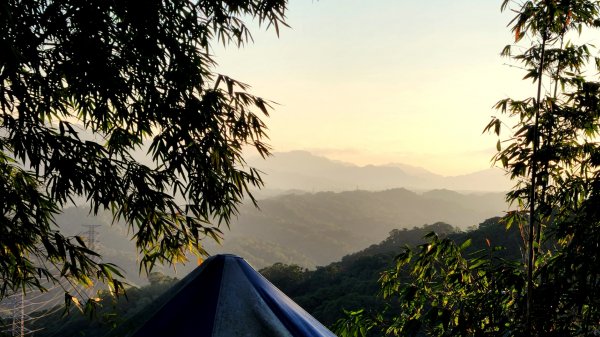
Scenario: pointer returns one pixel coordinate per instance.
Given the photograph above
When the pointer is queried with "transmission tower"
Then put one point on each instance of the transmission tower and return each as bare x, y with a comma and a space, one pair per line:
92, 241
18, 326
92, 235
23, 312
18, 315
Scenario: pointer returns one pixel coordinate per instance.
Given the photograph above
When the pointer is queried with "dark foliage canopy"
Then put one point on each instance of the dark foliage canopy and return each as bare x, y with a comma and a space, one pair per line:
84, 86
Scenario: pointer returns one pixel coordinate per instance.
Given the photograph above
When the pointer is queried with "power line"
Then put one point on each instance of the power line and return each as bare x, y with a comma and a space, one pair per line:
23, 311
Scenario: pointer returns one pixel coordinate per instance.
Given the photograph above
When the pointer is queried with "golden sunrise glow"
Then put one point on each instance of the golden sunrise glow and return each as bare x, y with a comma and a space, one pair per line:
375, 82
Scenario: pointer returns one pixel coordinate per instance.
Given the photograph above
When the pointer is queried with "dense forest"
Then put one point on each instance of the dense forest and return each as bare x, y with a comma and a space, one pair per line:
352, 283
325, 292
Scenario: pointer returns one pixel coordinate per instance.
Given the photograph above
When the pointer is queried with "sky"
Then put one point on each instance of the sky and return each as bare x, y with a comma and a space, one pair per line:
383, 81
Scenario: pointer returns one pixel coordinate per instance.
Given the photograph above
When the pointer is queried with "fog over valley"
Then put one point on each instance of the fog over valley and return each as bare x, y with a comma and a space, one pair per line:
313, 211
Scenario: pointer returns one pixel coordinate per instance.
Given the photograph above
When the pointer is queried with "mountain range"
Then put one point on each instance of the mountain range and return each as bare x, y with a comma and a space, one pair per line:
314, 210
314, 229
303, 171
308, 229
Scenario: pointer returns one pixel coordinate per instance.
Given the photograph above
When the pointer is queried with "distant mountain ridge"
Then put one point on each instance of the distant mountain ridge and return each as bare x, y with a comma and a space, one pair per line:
308, 229
313, 229
301, 170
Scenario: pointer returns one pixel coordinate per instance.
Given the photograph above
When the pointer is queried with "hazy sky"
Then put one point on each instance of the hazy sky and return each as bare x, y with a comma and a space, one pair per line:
383, 81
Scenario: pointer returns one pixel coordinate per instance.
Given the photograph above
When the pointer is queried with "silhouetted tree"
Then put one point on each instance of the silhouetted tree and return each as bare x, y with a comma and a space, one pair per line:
86, 84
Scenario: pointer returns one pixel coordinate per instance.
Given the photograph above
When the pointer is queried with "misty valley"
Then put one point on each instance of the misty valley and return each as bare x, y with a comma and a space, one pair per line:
324, 249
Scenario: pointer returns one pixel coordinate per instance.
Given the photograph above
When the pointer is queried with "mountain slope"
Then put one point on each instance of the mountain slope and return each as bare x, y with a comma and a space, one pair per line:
308, 229
352, 283
322, 227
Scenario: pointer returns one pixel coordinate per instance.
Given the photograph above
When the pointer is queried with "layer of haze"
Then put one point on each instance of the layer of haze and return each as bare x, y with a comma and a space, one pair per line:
375, 82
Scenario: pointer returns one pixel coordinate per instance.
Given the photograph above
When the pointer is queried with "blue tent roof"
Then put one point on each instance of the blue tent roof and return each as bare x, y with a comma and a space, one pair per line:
226, 297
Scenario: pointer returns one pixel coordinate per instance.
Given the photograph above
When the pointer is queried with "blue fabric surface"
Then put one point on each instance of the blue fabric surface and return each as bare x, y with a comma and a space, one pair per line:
245, 305
297, 321
191, 311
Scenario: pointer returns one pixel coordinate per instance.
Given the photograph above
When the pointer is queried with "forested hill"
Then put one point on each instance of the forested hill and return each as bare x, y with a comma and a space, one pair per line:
352, 283
318, 228
308, 229
325, 292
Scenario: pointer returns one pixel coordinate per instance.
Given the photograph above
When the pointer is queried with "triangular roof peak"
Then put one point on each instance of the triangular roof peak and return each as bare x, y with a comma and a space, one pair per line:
226, 297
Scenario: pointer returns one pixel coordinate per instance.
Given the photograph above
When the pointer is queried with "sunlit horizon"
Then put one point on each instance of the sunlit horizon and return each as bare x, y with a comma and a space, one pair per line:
383, 82
361, 159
